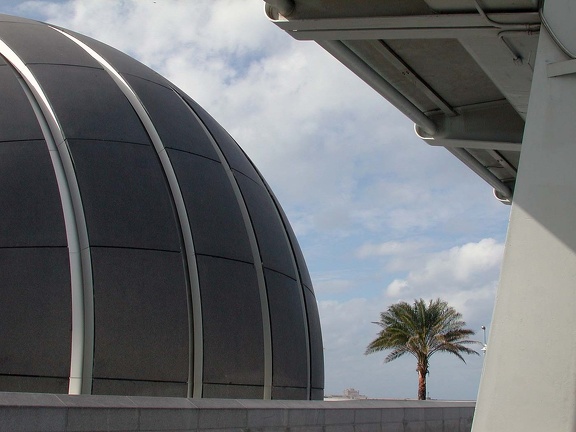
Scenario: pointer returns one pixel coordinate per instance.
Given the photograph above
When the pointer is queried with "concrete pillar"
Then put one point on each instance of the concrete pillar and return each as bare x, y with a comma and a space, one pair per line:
529, 378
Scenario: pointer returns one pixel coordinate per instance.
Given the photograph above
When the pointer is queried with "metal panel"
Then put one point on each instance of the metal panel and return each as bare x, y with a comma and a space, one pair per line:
214, 214
289, 339
138, 388
141, 315
23, 126
177, 127
28, 384
38, 43
235, 157
233, 341
317, 394
125, 194
89, 105
231, 391
289, 393
14, 19
35, 313
316, 347
32, 211
272, 241
298, 255
433, 61
121, 62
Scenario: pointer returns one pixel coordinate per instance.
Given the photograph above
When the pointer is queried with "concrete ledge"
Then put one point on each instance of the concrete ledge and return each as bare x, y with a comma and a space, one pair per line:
28, 412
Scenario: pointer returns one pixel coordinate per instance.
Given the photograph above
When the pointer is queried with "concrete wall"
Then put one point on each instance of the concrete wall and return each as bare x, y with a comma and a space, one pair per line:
529, 376
50, 412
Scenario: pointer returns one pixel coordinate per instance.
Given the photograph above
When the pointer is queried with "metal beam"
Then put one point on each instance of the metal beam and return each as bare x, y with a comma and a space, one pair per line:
383, 87
566, 67
438, 26
489, 125
472, 163
391, 57
474, 144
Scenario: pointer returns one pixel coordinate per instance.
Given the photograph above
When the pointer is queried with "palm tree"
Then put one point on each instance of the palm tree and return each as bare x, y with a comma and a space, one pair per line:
422, 330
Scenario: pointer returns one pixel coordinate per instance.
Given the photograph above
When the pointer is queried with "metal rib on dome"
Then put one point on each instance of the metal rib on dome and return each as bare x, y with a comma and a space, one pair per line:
74, 220
196, 361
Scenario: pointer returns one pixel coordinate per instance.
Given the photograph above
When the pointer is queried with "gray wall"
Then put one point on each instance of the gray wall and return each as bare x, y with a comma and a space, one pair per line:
35, 412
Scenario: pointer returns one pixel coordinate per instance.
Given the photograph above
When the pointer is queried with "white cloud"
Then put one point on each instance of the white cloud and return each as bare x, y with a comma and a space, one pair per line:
397, 288
459, 265
462, 275
389, 248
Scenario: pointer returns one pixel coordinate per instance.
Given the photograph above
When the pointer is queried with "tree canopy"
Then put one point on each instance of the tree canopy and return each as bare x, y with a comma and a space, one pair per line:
422, 329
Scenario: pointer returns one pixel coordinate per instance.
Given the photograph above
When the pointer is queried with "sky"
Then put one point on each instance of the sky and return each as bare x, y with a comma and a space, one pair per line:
380, 215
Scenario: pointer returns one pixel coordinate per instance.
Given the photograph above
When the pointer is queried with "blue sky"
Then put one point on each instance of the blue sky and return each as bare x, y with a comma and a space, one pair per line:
380, 215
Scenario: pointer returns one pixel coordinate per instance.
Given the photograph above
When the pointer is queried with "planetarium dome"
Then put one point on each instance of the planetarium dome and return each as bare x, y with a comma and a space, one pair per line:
141, 252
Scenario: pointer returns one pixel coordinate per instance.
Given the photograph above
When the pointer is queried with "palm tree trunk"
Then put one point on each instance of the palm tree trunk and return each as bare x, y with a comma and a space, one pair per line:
421, 385
422, 370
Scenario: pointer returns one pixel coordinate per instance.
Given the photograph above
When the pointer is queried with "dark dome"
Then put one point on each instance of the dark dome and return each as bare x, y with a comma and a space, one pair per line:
141, 252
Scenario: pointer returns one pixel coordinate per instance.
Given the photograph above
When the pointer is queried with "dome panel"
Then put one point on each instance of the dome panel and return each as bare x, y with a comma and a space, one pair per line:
272, 239
35, 314
89, 105
30, 191
125, 195
14, 19
215, 217
289, 338
233, 345
289, 393
178, 127
316, 346
232, 152
140, 315
122, 63
123, 387
33, 384
231, 391
38, 43
21, 126
300, 261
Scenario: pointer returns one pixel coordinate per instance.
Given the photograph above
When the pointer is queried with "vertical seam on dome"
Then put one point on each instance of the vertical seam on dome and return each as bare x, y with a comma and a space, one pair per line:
195, 370
266, 325
81, 350
301, 287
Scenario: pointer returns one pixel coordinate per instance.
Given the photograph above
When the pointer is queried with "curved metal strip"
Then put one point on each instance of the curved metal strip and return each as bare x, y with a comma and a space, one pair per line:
301, 288
75, 225
266, 326
195, 372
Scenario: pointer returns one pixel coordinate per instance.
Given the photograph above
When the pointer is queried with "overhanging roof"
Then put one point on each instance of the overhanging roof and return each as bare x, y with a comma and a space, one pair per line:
460, 69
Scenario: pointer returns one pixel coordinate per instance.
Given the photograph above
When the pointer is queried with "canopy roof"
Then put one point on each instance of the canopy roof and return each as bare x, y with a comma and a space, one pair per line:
460, 69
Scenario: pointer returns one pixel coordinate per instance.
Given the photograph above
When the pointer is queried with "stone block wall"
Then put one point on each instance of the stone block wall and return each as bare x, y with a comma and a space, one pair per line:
26, 412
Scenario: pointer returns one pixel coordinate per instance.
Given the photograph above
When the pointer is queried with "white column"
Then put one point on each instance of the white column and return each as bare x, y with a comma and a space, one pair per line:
529, 378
